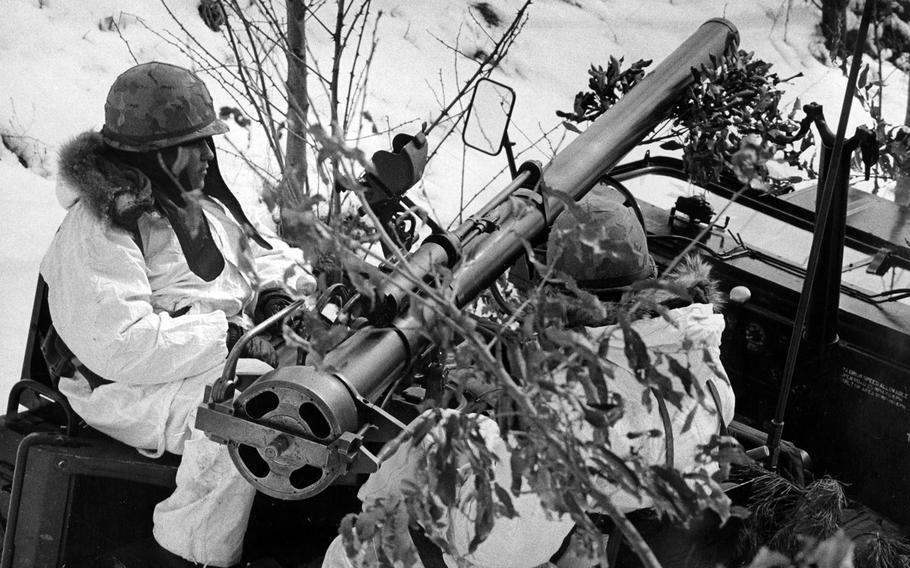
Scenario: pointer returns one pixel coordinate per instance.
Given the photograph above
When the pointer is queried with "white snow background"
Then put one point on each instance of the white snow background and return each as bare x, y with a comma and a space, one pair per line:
58, 59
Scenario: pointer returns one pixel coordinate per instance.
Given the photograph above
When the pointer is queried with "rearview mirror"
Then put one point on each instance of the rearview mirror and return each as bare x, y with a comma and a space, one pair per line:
488, 116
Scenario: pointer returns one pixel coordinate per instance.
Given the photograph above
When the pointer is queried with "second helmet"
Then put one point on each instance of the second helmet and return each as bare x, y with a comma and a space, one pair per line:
606, 248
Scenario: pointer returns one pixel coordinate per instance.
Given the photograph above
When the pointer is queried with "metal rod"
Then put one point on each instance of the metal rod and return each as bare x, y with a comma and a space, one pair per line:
465, 228
593, 153
510, 155
572, 171
223, 388
821, 219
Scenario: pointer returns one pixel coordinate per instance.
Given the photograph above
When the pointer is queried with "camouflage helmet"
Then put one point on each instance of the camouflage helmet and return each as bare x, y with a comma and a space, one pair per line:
155, 105
604, 248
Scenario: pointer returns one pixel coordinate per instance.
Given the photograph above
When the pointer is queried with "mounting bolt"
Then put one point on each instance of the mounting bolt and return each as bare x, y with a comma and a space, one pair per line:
277, 446
740, 294
62, 464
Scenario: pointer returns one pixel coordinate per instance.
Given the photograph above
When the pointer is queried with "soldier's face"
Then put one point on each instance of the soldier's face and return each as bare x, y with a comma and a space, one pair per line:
192, 163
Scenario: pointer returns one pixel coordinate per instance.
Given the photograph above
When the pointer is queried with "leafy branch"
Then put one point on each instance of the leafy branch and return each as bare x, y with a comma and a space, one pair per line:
732, 105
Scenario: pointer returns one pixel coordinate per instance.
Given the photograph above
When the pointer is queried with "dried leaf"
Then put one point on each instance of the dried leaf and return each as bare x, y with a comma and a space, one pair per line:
690, 418
635, 350
685, 376
518, 463
446, 482
485, 513
571, 127
506, 501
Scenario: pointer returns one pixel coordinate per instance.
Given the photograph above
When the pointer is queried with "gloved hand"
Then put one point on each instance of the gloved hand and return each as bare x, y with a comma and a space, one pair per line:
260, 348
257, 348
306, 284
270, 303
273, 301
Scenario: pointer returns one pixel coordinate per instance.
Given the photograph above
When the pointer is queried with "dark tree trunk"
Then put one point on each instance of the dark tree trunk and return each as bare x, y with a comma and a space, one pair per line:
294, 182
834, 26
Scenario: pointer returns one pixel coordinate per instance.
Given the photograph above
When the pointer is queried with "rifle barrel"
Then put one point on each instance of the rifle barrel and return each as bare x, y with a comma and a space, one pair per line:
575, 169
285, 409
372, 358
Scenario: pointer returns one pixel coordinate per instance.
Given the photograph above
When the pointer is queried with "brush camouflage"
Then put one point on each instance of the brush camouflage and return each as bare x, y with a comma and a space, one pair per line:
603, 248
156, 105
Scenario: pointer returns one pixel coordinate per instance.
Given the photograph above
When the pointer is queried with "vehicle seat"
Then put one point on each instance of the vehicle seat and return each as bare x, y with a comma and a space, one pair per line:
67, 492
76, 494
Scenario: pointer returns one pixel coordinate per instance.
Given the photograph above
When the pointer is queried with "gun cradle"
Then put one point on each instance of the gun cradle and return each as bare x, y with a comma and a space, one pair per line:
297, 430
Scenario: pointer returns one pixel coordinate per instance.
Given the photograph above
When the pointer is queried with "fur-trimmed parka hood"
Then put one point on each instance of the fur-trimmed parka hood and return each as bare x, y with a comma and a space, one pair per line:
114, 192
689, 283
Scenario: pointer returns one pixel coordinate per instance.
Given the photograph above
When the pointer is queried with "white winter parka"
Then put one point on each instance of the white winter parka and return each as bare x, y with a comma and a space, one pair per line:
526, 541
132, 311
115, 304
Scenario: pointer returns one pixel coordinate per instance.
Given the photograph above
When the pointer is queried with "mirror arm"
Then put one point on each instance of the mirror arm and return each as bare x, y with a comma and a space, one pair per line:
507, 144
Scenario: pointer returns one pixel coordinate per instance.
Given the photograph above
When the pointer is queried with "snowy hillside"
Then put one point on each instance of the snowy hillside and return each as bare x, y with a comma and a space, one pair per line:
58, 59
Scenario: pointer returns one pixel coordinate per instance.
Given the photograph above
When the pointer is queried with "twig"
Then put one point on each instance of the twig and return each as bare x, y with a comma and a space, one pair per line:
488, 63
120, 33
360, 91
350, 102
267, 127
265, 92
335, 198
456, 120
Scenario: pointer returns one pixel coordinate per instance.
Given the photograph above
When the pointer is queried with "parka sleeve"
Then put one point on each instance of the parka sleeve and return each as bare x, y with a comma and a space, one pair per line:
99, 298
282, 267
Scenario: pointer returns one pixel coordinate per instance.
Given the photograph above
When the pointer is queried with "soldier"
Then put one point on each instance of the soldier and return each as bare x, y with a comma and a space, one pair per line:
605, 250
152, 276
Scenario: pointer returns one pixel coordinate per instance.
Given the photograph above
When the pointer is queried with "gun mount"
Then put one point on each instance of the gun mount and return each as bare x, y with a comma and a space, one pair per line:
297, 429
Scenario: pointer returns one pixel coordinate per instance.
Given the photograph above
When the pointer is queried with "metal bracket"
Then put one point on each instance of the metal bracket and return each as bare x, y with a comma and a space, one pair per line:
449, 243
359, 459
387, 426
882, 262
232, 428
535, 169
697, 211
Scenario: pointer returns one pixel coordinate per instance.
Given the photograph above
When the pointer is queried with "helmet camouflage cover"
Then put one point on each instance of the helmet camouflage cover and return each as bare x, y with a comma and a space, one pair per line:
604, 248
156, 105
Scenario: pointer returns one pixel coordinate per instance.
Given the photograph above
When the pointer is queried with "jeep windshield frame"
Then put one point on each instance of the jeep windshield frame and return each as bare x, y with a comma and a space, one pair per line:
778, 228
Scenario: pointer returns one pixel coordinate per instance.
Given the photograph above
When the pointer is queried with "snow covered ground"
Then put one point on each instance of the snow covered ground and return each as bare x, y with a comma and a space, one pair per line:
58, 59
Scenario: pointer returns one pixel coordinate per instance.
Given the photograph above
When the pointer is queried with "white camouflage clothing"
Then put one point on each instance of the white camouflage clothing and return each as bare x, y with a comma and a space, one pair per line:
139, 317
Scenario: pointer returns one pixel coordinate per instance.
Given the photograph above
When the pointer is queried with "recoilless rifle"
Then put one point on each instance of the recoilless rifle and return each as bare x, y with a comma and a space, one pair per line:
301, 434
297, 429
